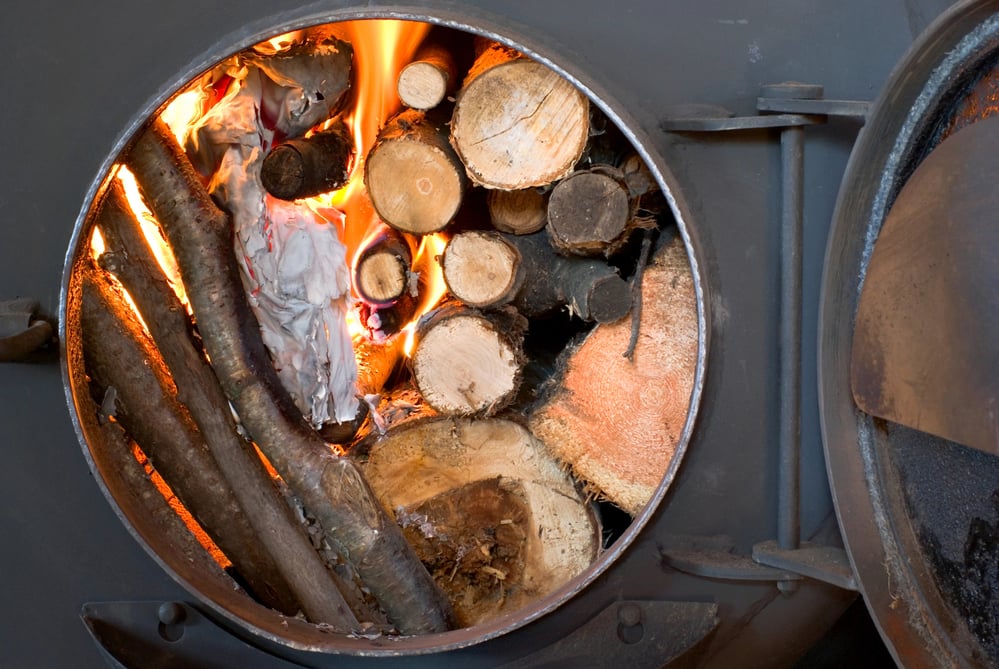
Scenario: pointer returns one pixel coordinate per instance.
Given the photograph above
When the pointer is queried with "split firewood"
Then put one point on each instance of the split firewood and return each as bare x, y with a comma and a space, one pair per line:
617, 422
329, 486
413, 177
488, 269
495, 518
518, 212
306, 167
424, 83
468, 362
135, 386
129, 258
593, 212
517, 123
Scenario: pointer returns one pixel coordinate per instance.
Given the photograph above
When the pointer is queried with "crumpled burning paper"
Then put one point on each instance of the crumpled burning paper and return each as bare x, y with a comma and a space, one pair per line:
293, 264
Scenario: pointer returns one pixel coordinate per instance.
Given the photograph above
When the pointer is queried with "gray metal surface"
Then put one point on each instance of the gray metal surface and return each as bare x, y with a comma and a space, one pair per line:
926, 341
76, 77
876, 490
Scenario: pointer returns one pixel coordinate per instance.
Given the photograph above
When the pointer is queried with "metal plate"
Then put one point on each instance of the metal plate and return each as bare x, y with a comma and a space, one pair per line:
926, 345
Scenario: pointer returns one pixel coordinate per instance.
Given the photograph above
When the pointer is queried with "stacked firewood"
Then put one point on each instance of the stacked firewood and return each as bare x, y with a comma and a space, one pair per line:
557, 370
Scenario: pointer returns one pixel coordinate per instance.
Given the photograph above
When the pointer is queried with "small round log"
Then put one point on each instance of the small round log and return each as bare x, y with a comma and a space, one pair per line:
423, 83
481, 269
518, 212
306, 167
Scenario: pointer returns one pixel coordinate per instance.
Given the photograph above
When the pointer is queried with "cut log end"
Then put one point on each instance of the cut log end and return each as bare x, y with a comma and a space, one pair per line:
480, 269
464, 365
307, 167
422, 85
519, 125
495, 518
415, 181
382, 277
617, 423
608, 299
518, 212
588, 213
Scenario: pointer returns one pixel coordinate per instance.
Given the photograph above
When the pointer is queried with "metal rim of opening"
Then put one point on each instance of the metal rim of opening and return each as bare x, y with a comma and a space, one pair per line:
255, 621
894, 577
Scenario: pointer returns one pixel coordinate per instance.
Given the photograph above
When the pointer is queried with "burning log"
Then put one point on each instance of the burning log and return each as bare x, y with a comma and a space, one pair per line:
622, 449
517, 124
468, 362
496, 519
485, 269
424, 83
129, 258
302, 168
329, 486
518, 212
593, 212
129, 373
414, 179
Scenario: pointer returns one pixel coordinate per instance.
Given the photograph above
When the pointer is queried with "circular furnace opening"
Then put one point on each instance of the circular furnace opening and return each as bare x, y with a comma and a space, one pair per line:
382, 335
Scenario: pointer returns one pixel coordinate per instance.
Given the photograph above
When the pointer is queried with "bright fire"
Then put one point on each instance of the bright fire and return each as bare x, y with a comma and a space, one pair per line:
381, 49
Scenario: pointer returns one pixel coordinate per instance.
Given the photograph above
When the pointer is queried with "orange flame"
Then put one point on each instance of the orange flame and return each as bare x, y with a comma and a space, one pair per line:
427, 263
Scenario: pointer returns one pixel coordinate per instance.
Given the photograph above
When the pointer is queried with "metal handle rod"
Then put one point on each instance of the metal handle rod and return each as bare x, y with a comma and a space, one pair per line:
792, 144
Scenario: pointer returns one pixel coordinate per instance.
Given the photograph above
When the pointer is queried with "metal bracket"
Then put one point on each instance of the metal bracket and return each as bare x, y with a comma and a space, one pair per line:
21, 334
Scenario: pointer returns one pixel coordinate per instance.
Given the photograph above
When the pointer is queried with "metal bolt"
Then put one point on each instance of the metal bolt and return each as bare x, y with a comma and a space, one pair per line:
629, 615
171, 613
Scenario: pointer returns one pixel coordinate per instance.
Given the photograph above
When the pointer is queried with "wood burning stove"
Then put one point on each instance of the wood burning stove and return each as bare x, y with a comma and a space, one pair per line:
681, 583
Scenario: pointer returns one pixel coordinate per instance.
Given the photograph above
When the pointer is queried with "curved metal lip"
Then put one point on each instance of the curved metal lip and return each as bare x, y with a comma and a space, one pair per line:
492, 27
905, 605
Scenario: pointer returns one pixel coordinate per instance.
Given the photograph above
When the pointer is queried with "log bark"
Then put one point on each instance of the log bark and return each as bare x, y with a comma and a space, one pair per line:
518, 212
285, 541
130, 481
468, 362
425, 82
128, 371
517, 123
413, 177
309, 166
485, 269
329, 486
495, 518
615, 422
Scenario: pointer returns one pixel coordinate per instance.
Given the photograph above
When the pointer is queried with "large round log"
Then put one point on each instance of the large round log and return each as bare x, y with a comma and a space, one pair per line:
516, 122
495, 518
414, 179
